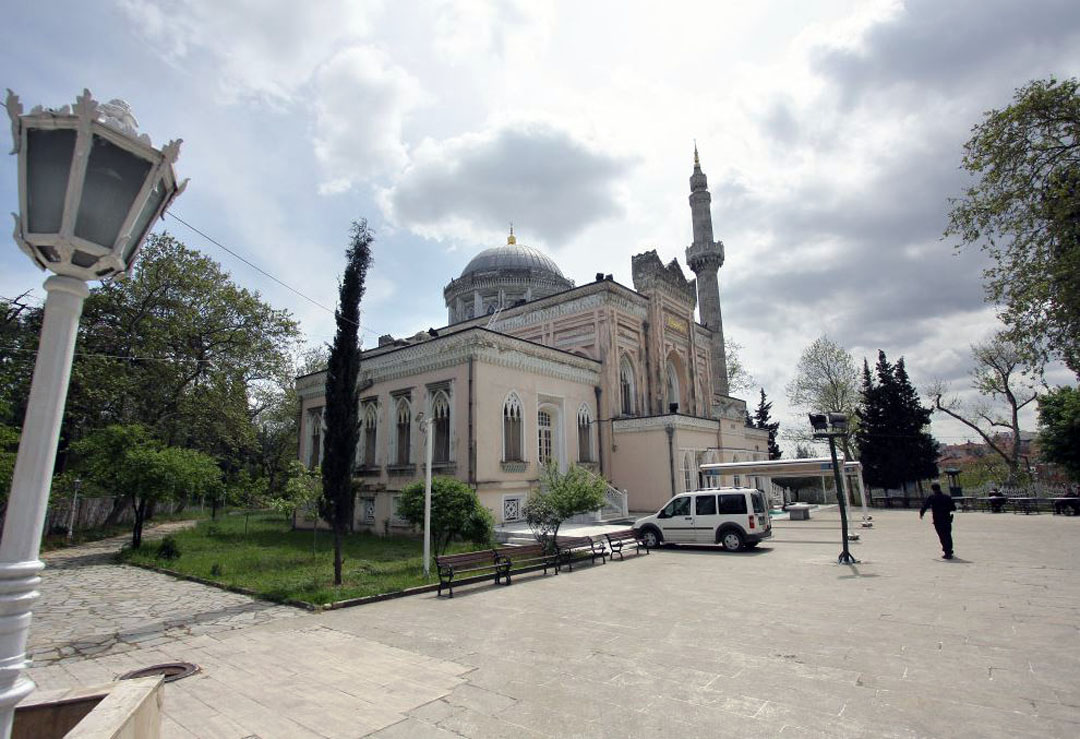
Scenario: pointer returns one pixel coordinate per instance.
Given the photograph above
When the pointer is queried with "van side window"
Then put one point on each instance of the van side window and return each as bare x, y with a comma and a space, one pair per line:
759, 502
705, 505
680, 507
732, 504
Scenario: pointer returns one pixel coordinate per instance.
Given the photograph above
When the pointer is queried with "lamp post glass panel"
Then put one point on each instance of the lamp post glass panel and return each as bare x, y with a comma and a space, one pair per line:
90, 188
830, 426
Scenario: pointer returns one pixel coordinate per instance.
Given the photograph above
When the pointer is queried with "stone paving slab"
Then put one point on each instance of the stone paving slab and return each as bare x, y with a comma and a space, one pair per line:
780, 641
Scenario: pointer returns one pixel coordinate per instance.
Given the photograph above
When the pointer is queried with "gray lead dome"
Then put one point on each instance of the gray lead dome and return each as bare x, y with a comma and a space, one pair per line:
502, 277
509, 258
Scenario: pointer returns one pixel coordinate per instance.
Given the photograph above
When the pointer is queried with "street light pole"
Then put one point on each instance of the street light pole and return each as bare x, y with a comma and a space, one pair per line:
90, 187
425, 427
74, 509
830, 427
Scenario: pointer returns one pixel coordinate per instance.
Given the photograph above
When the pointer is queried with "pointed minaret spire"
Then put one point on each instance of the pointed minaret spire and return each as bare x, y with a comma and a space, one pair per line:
510, 240
705, 257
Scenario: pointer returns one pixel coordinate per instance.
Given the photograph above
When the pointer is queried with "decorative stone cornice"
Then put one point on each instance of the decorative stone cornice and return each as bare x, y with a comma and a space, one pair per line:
651, 275
675, 420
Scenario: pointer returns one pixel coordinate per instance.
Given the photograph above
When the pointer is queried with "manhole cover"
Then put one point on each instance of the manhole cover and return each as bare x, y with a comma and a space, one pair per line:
172, 671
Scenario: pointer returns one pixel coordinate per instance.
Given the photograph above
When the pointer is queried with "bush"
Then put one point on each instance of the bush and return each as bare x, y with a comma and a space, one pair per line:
168, 549
563, 495
456, 512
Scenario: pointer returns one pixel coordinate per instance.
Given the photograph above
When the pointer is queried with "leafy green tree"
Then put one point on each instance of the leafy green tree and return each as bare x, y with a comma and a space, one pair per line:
342, 412
894, 446
169, 473
180, 349
9, 446
456, 512
763, 420
99, 459
302, 490
562, 495
1059, 428
20, 326
826, 381
1024, 211
1002, 376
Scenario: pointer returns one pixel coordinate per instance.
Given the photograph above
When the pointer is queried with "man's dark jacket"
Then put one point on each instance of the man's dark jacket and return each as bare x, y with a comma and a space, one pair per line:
941, 504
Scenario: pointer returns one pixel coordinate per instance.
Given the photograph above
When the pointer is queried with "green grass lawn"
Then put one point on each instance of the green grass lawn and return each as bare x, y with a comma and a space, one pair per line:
264, 555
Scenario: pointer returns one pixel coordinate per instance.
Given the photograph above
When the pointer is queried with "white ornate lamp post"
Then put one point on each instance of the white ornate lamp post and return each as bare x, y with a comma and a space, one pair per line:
90, 187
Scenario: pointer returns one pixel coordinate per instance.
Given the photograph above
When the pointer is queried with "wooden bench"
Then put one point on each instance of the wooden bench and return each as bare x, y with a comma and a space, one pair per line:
618, 539
528, 557
569, 546
474, 566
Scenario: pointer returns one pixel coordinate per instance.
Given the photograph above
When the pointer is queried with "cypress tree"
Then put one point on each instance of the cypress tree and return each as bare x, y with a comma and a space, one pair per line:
894, 446
342, 414
763, 420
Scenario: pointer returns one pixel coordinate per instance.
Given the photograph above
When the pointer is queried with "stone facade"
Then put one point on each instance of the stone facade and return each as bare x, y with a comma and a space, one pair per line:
622, 381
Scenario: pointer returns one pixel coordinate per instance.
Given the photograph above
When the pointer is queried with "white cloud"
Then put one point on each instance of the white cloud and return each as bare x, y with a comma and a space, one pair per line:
361, 102
259, 48
548, 181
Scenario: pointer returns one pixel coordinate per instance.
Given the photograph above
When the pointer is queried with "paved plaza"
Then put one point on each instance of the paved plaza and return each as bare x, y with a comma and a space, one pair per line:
780, 641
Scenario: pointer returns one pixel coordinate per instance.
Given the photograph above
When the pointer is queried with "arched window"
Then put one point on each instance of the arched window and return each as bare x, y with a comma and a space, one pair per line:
404, 432
584, 434
371, 430
315, 429
626, 387
440, 414
544, 434
512, 446
672, 385
688, 472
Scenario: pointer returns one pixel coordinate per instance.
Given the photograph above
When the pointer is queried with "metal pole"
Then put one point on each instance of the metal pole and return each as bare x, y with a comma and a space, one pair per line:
74, 509
845, 557
427, 502
30, 486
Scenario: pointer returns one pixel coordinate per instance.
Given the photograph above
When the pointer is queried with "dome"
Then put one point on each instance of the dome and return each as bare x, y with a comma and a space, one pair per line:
511, 258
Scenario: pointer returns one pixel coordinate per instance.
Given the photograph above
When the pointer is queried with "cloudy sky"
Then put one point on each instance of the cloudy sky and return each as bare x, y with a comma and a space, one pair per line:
831, 133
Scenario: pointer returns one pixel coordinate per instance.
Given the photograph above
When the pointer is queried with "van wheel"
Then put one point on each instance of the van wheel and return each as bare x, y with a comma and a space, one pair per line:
650, 538
732, 540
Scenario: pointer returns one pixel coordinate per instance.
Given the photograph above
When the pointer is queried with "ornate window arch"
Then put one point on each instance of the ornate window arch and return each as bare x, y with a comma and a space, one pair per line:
370, 431
584, 434
440, 425
688, 471
545, 432
672, 384
513, 429
627, 387
403, 437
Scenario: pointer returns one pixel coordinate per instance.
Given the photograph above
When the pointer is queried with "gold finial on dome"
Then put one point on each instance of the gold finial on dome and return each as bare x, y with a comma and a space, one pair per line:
510, 240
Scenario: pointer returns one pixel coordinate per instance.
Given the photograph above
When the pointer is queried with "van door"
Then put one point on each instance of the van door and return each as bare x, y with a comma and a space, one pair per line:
705, 518
677, 520
733, 510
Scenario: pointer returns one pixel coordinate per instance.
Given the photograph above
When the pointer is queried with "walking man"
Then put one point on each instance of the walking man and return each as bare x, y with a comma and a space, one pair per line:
942, 507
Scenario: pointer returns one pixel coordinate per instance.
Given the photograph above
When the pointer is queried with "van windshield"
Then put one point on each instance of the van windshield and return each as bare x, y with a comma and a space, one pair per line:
759, 502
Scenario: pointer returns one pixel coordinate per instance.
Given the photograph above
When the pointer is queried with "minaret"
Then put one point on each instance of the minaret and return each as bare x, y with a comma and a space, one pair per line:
705, 257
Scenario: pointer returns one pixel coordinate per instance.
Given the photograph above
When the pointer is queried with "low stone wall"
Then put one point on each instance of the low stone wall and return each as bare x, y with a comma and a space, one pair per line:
92, 512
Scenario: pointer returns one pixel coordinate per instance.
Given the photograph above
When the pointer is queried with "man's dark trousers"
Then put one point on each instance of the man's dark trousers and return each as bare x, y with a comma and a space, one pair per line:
944, 533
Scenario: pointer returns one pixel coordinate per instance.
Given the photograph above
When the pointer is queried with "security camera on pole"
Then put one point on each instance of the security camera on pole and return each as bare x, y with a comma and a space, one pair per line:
90, 188
830, 426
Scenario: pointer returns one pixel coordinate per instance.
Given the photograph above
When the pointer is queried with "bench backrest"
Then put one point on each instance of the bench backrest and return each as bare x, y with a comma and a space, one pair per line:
529, 550
621, 535
464, 558
569, 542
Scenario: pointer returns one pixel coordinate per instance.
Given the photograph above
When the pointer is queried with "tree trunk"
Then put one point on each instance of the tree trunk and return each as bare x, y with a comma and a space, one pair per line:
119, 503
136, 531
337, 555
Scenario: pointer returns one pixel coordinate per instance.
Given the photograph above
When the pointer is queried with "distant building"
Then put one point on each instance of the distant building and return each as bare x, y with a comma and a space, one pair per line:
532, 369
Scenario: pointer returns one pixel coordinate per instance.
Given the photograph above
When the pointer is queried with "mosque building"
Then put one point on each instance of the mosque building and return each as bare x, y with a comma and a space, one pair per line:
532, 369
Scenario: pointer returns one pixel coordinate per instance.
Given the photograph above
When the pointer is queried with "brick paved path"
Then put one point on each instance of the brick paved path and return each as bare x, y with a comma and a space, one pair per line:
91, 606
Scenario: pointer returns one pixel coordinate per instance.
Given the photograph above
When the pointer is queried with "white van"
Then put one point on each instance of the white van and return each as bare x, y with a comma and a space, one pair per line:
737, 518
